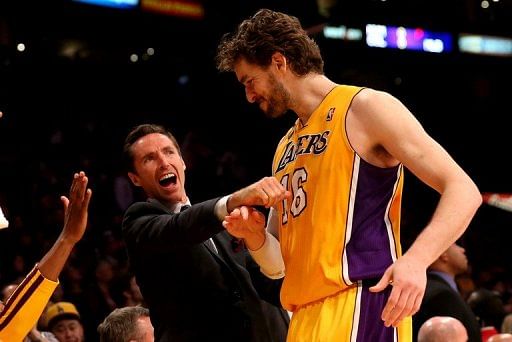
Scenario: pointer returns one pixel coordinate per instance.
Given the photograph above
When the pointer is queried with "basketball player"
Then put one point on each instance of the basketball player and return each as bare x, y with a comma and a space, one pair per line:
343, 161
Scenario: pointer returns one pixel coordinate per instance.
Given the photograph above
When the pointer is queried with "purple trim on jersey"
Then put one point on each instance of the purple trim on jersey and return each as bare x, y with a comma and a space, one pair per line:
368, 251
371, 326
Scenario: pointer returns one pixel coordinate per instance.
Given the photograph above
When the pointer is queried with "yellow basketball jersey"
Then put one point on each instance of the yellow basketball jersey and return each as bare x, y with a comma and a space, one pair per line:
342, 223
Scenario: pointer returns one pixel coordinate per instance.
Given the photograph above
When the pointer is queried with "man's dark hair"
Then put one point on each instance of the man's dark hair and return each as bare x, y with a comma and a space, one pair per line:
138, 132
121, 324
265, 33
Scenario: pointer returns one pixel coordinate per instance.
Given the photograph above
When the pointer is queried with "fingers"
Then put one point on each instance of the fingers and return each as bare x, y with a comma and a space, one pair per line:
394, 310
226, 224
65, 202
244, 212
79, 185
79, 194
83, 184
383, 282
402, 302
274, 192
231, 219
234, 214
258, 217
417, 303
395, 304
244, 222
265, 192
87, 199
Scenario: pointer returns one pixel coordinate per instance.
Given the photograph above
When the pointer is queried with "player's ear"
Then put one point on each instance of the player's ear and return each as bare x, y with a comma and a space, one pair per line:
279, 61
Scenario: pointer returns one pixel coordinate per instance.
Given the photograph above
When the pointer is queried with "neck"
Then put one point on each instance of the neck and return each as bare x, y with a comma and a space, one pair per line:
310, 91
445, 270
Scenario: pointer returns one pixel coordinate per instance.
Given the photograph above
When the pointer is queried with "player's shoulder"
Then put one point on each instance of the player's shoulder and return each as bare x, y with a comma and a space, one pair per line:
368, 98
365, 95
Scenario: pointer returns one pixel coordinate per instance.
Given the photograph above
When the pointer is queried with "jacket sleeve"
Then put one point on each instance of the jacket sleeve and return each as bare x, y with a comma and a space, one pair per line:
25, 306
150, 226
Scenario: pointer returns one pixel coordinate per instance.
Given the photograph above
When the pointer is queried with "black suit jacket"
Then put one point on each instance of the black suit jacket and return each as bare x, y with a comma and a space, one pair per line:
442, 300
193, 293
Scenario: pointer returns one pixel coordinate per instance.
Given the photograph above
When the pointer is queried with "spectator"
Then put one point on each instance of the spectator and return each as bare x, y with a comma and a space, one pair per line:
131, 323
500, 338
442, 297
488, 307
63, 320
442, 329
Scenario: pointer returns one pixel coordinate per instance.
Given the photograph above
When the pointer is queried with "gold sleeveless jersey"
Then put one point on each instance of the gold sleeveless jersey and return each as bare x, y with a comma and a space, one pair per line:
342, 223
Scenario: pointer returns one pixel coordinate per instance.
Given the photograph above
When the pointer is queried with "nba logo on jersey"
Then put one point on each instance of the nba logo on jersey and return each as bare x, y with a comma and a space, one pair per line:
330, 114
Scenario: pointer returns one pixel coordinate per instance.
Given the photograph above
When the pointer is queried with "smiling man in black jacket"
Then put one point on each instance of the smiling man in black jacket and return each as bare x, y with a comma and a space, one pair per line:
197, 285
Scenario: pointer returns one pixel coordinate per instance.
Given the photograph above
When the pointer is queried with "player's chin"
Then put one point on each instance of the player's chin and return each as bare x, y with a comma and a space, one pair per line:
263, 107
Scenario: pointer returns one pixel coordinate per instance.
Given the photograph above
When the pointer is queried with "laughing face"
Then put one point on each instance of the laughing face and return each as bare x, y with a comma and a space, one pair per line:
159, 168
263, 88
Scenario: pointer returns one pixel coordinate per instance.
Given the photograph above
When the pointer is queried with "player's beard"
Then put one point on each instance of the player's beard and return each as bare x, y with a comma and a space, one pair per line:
278, 99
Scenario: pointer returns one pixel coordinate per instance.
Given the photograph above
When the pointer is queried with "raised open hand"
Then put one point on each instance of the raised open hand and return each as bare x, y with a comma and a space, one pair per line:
76, 208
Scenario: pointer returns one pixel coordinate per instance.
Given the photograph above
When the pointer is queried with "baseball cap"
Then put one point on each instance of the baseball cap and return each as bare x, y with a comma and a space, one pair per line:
59, 311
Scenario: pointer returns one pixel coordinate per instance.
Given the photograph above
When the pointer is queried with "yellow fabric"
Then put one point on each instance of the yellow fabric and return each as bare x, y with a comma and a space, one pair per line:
332, 319
316, 162
18, 317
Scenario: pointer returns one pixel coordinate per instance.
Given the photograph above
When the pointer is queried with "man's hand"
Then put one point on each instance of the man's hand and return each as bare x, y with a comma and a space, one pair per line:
75, 222
246, 223
409, 280
75, 208
266, 192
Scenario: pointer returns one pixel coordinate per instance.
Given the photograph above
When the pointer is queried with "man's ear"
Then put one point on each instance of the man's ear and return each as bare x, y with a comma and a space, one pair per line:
184, 165
134, 178
444, 257
280, 61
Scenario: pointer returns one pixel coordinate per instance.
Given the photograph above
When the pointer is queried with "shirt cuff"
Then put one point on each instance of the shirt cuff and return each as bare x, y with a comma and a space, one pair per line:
269, 258
55, 283
221, 208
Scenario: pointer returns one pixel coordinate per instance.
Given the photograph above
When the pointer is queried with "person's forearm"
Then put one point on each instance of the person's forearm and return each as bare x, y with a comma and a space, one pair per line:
52, 263
452, 216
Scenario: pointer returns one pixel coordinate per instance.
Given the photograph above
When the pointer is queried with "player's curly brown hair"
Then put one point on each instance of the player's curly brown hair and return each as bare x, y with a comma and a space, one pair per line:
266, 32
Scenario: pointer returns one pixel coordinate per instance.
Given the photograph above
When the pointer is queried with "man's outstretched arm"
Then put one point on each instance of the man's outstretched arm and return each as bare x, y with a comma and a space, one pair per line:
29, 299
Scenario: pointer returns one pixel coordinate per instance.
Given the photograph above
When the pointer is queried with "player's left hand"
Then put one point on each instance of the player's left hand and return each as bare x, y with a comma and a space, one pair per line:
409, 279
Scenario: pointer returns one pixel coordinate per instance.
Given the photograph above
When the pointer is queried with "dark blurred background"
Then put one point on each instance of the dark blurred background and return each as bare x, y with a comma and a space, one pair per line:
75, 77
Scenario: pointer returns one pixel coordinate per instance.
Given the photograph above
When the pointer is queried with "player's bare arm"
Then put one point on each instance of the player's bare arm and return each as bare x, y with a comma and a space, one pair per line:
391, 132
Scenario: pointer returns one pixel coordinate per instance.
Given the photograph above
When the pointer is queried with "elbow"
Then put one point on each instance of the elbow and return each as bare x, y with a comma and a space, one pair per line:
479, 200
476, 197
